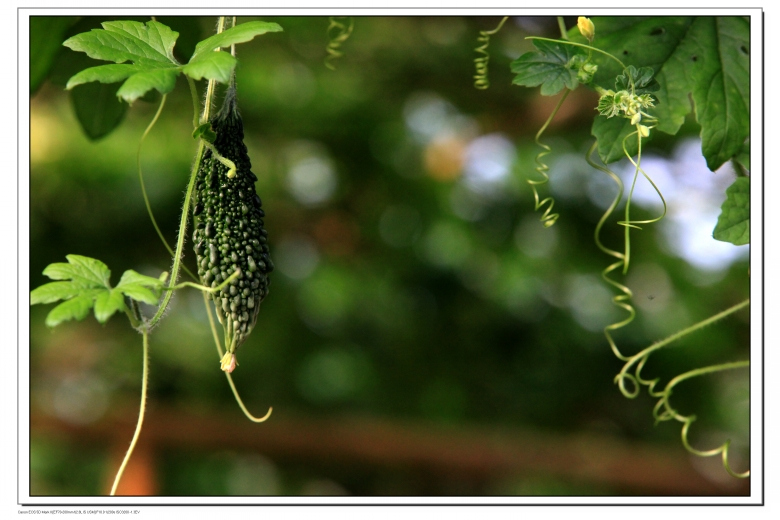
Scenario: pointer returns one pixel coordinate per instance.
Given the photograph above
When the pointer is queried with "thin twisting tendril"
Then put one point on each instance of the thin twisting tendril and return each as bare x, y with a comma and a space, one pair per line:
481, 80
335, 39
628, 223
548, 218
623, 299
670, 413
639, 359
143, 186
629, 383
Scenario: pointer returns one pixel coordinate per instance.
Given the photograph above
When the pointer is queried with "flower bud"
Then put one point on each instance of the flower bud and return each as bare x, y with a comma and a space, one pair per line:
586, 27
228, 363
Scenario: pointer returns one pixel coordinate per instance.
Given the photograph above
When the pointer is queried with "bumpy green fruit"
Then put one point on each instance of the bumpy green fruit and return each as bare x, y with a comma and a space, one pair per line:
229, 233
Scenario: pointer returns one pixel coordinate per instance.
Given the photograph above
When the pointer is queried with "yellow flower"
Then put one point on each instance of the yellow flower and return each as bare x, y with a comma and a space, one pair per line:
586, 27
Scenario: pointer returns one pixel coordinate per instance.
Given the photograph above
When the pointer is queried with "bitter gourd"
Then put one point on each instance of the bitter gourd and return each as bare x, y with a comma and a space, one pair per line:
229, 231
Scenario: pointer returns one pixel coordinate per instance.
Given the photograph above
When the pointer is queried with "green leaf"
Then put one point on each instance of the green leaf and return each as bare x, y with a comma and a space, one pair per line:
163, 80
54, 291
552, 67
610, 133
89, 286
84, 271
140, 287
212, 65
643, 81
133, 277
204, 132
127, 41
46, 34
156, 35
75, 308
105, 74
97, 108
238, 34
743, 157
734, 220
148, 46
107, 303
706, 58
141, 294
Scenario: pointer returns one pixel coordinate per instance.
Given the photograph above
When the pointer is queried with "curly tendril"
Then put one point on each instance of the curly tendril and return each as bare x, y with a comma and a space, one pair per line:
623, 299
548, 218
663, 410
628, 223
481, 80
630, 380
338, 33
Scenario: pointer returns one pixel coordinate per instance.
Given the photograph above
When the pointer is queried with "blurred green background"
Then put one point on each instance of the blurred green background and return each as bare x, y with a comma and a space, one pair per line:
424, 333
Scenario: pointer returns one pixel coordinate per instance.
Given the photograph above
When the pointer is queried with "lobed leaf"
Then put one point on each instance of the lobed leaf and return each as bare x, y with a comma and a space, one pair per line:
88, 286
212, 65
643, 80
76, 308
107, 303
156, 35
133, 277
140, 287
84, 271
550, 66
238, 34
148, 46
105, 74
734, 220
127, 41
54, 291
137, 85
706, 58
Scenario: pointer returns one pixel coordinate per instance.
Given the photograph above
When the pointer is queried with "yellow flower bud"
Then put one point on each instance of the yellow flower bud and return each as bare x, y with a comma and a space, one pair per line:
586, 27
644, 131
228, 362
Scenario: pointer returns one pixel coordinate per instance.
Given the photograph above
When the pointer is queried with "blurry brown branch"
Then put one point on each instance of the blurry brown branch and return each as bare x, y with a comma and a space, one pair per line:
473, 453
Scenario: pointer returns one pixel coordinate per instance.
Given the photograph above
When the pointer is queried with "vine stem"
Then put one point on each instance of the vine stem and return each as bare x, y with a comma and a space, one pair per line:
190, 189
589, 47
185, 211
141, 412
562, 28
